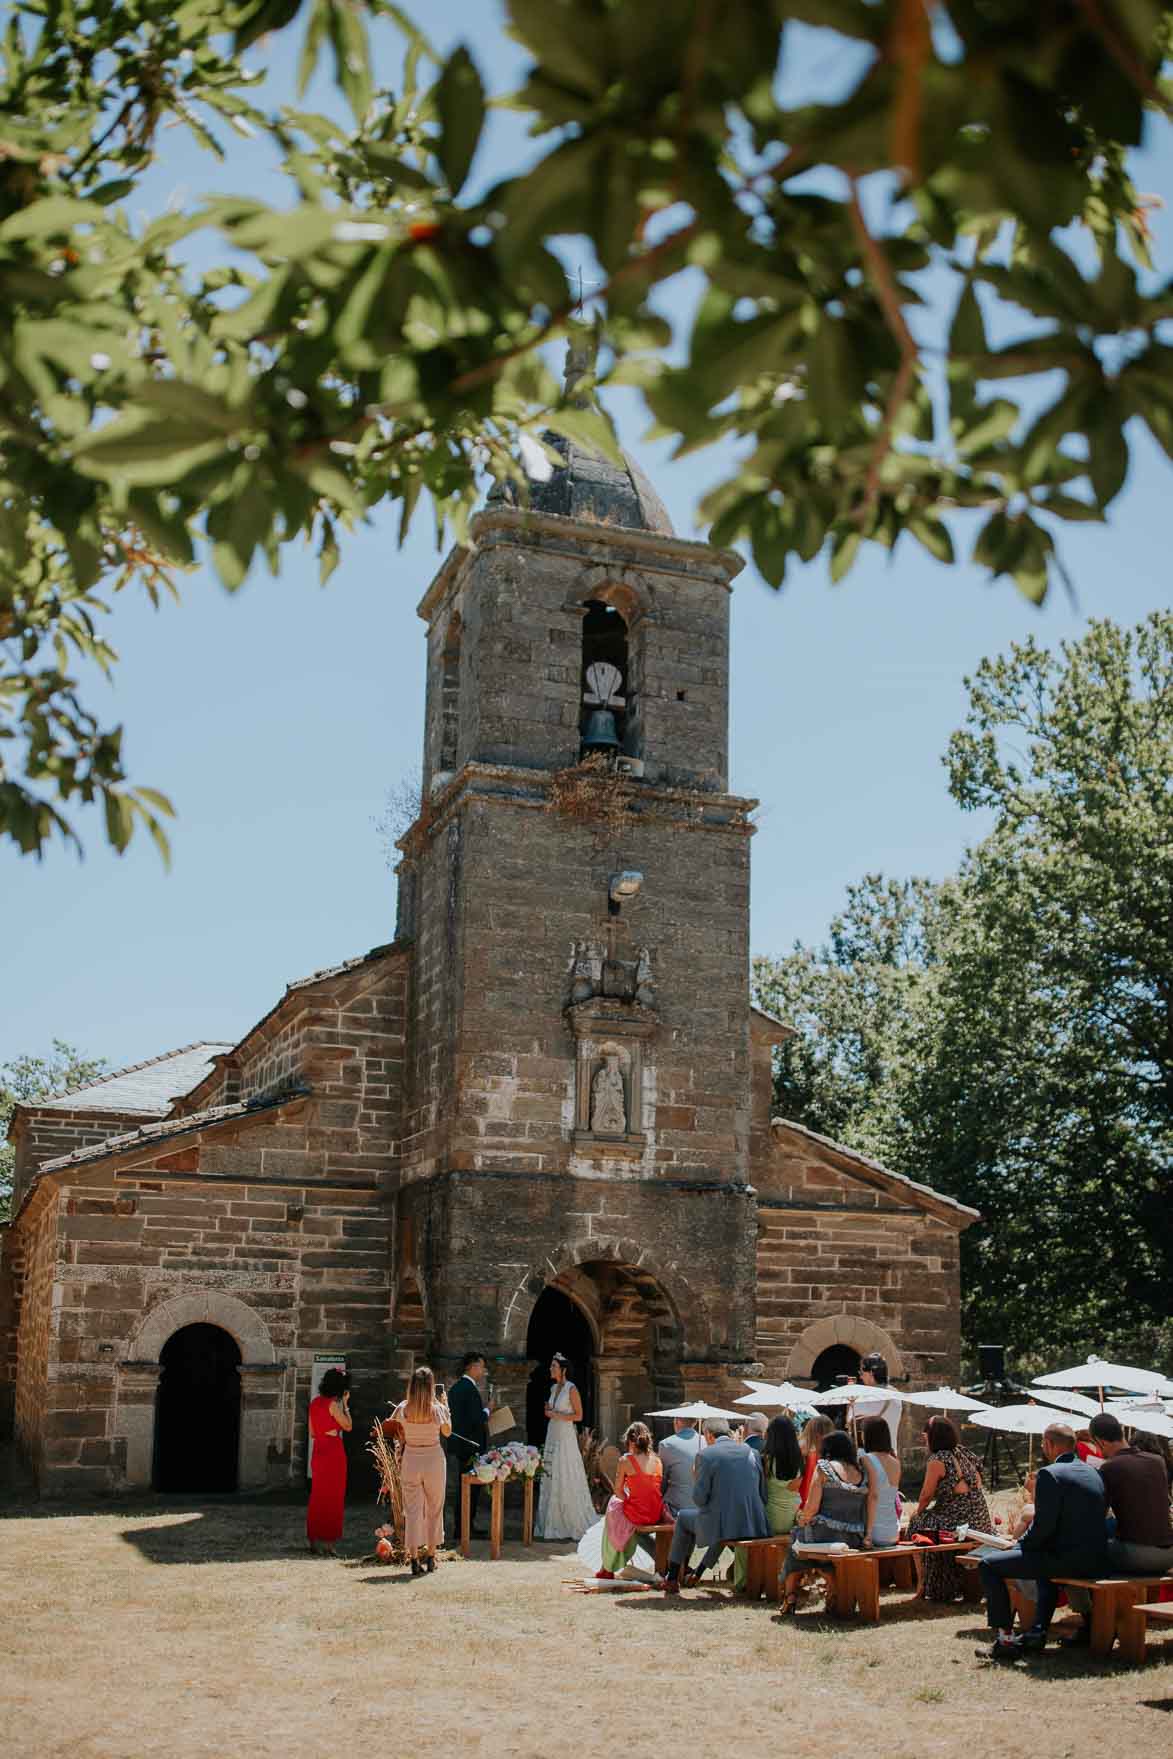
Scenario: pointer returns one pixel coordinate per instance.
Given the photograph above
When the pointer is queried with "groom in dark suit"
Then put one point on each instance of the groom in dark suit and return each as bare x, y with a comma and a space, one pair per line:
470, 1429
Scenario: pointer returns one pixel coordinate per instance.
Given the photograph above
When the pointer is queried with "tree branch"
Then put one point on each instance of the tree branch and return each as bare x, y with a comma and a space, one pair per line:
888, 293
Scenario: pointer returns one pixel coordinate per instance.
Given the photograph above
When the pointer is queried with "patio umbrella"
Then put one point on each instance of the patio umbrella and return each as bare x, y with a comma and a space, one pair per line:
698, 1410
1064, 1401
1019, 1419
1138, 1417
1099, 1374
786, 1394
944, 1398
853, 1393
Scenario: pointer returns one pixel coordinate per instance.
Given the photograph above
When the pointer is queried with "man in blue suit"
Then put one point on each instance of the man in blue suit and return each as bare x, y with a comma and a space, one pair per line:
727, 1501
1068, 1537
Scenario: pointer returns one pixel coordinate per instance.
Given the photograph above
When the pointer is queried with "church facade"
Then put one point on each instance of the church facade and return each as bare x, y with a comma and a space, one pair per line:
538, 1118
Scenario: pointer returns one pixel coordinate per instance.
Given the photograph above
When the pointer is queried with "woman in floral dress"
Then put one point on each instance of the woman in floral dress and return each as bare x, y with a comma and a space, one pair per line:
950, 1497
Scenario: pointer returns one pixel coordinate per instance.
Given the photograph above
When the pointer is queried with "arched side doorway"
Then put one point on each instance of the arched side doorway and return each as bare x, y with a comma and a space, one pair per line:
836, 1359
810, 1352
197, 1412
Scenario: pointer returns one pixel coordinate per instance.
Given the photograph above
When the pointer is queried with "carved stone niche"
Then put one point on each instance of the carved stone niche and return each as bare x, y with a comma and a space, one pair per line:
610, 1036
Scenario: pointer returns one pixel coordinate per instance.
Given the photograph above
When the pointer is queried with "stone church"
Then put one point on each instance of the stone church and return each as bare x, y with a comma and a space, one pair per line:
538, 1118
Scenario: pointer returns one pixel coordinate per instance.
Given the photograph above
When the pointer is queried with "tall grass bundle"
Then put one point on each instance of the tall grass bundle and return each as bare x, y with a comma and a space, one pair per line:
390, 1481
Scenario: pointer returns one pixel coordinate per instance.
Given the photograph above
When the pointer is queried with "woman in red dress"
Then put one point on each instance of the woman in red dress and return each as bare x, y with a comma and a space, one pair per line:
329, 1419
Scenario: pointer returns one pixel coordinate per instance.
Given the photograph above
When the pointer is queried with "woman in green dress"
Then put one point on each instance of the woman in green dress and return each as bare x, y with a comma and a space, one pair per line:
781, 1483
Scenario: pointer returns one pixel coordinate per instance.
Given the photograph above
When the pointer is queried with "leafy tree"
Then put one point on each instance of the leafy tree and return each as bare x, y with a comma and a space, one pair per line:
1008, 1036
27, 1079
375, 337
860, 1008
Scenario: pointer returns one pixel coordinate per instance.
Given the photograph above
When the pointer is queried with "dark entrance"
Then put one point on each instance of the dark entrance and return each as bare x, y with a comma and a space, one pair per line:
836, 1359
556, 1323
197, 1417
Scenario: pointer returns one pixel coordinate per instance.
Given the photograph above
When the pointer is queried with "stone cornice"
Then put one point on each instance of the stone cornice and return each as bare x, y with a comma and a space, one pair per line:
583, 539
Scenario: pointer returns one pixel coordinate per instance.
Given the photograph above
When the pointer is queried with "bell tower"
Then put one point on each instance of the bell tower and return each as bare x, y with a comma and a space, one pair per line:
576, 891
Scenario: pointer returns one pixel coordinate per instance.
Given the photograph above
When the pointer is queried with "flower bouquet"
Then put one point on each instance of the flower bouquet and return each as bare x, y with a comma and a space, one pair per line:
514, 1460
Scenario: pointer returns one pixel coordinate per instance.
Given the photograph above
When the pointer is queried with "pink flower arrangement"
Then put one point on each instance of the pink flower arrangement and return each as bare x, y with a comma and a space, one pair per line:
515, 1459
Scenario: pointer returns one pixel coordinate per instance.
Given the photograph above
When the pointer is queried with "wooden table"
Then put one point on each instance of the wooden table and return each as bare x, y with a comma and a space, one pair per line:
496, 1491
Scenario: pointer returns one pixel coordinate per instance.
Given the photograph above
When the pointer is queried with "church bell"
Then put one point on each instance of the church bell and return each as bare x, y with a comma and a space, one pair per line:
600, 733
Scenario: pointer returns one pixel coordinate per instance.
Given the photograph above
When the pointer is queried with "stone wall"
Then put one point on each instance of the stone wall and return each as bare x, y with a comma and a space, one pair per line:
839, 1261
36, 1264
46, 1134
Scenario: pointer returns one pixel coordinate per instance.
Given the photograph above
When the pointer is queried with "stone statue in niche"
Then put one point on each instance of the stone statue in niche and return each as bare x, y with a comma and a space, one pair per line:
608, 1100
586, 971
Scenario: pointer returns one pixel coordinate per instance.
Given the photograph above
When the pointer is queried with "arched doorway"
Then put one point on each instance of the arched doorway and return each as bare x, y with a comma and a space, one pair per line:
558, 1323
835, 1359
197, 1413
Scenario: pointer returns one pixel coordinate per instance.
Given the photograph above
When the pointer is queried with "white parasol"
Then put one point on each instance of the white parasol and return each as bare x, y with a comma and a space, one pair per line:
786, 1395
852, 1394
1018, 1419
945, 1398
1148, 1418
1095, 1372
1064, 1401
698, 1410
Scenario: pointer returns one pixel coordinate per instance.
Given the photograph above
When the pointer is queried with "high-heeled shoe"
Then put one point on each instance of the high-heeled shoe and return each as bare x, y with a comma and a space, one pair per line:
416, 1568
430, 1562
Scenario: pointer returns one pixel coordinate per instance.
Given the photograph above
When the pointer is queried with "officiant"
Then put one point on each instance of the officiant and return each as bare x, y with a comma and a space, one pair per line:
470, 1431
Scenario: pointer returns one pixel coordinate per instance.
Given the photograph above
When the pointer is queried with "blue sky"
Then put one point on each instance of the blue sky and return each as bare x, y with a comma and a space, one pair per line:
277, 721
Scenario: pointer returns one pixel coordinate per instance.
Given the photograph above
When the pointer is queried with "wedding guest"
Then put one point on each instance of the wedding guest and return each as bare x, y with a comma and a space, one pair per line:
1146, 1443
1068, 1537
882, 1526
637, 1501
329, 1421
1137, 1490
834, 1511
873, 1371
950, 1496
814, 1433
726, 1503
781, 1478
470, 1429
678, 1453
1086, 1448
425, 1418
753, 1431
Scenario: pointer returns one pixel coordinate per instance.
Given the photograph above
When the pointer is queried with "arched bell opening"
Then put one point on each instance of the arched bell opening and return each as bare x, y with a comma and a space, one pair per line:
197, 1412
604, 725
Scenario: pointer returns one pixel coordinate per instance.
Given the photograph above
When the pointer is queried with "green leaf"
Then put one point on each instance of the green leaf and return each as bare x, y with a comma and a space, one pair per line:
831, 376
566, 41
993, 422
1108, 453
844, 549
967, 333
145, 452
1068, 506
460, 105
53, 214
352, 56
933, 535
236, 528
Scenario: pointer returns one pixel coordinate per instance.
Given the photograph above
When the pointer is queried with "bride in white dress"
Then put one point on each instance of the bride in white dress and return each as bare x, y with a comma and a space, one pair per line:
565, 1509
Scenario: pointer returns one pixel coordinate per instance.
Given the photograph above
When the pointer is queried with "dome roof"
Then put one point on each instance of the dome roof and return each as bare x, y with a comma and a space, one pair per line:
590, 487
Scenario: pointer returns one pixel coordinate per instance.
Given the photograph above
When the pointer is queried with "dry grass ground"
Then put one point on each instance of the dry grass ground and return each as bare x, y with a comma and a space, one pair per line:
167, 1632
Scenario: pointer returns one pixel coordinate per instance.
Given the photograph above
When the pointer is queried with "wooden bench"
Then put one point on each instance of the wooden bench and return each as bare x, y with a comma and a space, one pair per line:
1118, 1604
763, 1563
859, 1574
1135, 1626
661, 1533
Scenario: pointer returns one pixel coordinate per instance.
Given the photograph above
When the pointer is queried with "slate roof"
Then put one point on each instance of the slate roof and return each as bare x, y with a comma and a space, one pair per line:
148, 1087
588, 486
168, 1127
912, 1186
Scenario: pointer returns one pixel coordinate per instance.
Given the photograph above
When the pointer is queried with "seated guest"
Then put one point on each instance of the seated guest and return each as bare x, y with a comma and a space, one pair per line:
1144, 1443
678, 1454
1137, 1490
637, 1501
753, 1431
882, 1526
726, 1502
814, 1433
1068, 1537
1022, 1511
1086, 1448
782, 1476
834, 1511
950, 1496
